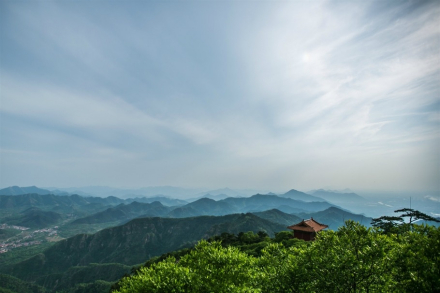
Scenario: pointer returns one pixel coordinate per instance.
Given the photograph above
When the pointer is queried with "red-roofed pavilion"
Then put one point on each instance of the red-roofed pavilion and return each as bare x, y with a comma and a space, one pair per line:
307, 229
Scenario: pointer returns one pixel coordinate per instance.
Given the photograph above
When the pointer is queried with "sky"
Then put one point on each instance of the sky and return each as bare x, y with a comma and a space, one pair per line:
268, 95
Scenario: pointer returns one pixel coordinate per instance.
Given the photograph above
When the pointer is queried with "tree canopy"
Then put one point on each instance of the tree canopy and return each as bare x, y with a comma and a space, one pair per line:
351, 259
397, 224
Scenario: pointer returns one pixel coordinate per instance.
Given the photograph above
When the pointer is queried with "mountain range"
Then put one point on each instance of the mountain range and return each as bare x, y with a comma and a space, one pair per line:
16, 190
124, 212
299, 195
169, 191
128, 232
135, 242
334, 217
338, 197
34, 218
113, 210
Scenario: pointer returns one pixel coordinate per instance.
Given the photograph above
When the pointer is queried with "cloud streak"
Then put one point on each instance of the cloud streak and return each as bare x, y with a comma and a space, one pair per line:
280, 94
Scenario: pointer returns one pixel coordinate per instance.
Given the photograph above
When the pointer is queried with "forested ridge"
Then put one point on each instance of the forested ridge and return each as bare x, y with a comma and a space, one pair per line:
230, 259
352, 259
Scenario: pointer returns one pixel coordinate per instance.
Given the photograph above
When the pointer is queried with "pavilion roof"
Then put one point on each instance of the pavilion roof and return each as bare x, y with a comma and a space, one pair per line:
309, 225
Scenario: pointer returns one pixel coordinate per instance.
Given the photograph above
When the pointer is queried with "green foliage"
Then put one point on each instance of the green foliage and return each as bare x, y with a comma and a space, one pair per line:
396, 224
8, 233
70, 230
34, 218
243, 238
387, 224
208, 268
95, 287
176, 254
415, 215
12, 284
248, 242
20, 254
277, 264
351, 259
278, 216
283, 236
417, 261
86, 275
68, 261
233, 269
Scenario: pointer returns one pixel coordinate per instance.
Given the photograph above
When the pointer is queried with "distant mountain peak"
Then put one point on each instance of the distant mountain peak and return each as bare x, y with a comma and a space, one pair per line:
338, 197
292, 190
156, 204
205, 199
299, 195
17, 190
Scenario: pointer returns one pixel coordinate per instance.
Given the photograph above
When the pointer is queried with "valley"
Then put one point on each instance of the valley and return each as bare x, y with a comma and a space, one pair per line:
56, 242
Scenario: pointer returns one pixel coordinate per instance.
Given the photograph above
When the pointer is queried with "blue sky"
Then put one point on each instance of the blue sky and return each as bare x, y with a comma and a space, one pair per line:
244, 94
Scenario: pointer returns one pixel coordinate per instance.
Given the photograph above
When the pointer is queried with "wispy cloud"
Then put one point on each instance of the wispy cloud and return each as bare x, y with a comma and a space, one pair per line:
432, 198
327, 90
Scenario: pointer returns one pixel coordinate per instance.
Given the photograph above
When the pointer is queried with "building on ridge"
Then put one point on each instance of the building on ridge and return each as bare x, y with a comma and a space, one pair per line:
307, 229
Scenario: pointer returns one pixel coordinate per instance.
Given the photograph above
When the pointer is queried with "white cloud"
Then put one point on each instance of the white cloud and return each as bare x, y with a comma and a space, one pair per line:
310, 90
57, 105
432, 198
354, 67
387, 205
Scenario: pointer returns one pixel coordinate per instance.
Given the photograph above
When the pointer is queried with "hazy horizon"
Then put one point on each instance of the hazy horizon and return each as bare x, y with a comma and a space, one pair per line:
249, 191
266, 95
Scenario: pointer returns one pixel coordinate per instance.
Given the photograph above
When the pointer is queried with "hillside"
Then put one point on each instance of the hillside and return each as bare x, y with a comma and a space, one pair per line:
125, 212
203, 206
255, 203
167, 201
351, 259
107, 210
16, 190
135, 242
279, 217
10, 284
54, 202
335, 217
83, 275
298, 195
34, 218
7, 233
247, 222
338, 197
112, 210
263, 202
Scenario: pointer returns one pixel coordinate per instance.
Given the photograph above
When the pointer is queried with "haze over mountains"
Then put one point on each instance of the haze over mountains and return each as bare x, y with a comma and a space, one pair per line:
333, 196
16, 190
104, 191
96, 210
79, 214
148, 125
69, 238
104, 236
47, 207
372, 204
34, 217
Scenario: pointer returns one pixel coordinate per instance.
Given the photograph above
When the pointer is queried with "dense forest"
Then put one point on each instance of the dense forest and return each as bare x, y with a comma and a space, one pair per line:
352, 259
